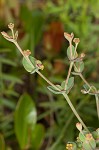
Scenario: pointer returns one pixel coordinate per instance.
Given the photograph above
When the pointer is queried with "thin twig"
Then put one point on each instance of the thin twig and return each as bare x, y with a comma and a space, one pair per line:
82, 77
64, 128
96, 96
49, 82
74, 111
65, 95
69, 72
97, 104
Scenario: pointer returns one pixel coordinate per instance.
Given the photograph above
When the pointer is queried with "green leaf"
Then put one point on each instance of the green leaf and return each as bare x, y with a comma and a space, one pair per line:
82, 137
69, 84
26, 16
95, 135
38, 18
79, 66
53, 90
25, 119
7, 102
7, 61
2, 142
93, 143
92, 90
98, 132
86, 87
4, 50
27, 66
73, 55
75, 73
87, 146
11, 78
34, 70
35, 19
37, 136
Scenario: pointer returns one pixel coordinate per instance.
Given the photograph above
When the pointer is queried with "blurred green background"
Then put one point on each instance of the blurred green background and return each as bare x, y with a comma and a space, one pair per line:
25, 102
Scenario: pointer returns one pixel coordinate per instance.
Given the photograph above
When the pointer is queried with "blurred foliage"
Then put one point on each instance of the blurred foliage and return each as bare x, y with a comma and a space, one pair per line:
41, 25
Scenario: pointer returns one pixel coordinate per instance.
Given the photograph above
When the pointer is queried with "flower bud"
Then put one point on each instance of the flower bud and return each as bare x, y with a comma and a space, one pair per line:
7, 37
39, 64
79, 126
82, 55
89, 137
11, 26
27, 52
69, 37
84, 92
76, 40
69, 146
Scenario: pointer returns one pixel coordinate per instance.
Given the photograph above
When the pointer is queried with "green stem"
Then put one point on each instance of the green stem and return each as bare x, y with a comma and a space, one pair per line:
68, 100
69, 72
21, 51
97, 104
75, 49
96, 96
50, 83
82, 77
74, 111
64, 128
70, 43
12, 33
27, 58
19, 48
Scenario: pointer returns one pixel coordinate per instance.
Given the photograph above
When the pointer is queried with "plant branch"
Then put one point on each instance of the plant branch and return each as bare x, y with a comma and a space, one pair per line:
70, 43
27, 58
69, 72
96, 95
97, 104
65, 127
85, 81
74, 111
50, 83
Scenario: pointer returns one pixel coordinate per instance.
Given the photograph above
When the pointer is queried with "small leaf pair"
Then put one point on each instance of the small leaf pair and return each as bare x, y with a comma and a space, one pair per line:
34, 66
62, 87
71, 53
89, 90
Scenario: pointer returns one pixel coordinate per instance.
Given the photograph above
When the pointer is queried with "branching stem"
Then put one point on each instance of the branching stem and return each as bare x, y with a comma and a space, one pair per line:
50, 83
96, 95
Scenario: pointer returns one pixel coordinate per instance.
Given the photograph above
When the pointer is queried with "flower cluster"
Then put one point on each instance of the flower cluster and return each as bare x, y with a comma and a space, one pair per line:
69, 146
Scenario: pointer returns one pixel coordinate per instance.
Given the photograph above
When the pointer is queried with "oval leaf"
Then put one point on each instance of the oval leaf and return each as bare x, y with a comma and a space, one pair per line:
53, 90
79, 66
82, 137
93, 143
25, 119
27, 66
71, 55
69, 84
37, 136
87, 146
